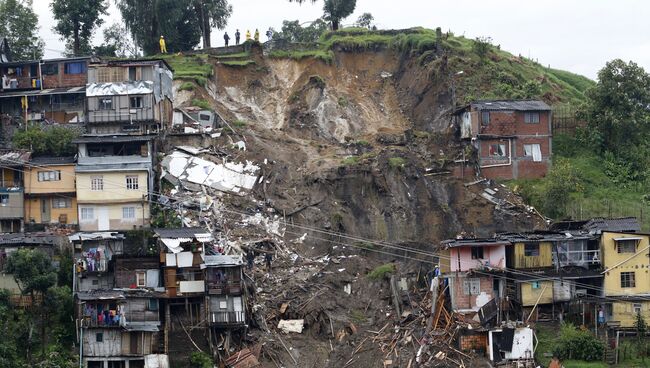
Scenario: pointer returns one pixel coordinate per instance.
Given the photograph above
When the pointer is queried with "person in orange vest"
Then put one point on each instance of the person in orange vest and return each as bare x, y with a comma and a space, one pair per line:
248, 35
163, 46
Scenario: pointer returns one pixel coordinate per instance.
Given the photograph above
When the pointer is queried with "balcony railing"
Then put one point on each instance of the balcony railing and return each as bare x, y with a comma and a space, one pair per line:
113, 322
582, 258
224, 288
227, 318
10, 184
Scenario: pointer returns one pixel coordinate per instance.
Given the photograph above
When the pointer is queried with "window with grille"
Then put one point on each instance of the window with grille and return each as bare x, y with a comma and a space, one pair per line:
472, 286
97, 183
531, 118
498, 150
485, 117
128, 213
132, 182
628, 280
626, 246
637, 308
87, 213
136, 102
61, 202
4, 199
141, 279
535, 285
49, 175
477, 253
106, 103
531, 250
99, 337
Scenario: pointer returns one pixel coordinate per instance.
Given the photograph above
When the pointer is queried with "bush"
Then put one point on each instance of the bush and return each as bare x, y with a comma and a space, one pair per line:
200, 359
187, 86
396, 162
54, 141
381, 272
578, 344
482, 46
204, 104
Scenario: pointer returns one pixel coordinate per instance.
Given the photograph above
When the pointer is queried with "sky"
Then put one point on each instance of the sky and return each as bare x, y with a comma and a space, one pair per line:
575, 35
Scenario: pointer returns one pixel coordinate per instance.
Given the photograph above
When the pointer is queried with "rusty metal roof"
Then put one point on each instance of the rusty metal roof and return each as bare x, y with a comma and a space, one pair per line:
14, 158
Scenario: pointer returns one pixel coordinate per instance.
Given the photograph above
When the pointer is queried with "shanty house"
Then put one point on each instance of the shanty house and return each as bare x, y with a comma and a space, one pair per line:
94, 255
129, 97
50, 193
12, 210
225, 290
476, 272
626, 263
513, 138
114, 175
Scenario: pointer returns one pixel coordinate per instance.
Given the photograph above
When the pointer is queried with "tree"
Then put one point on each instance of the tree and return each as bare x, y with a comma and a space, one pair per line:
365, 20
76, 21
32, 270
211, 13
55, 141
147, 20
482, 46
561, 181
292, 31
617, 108
334, 10
20, 26
117, 43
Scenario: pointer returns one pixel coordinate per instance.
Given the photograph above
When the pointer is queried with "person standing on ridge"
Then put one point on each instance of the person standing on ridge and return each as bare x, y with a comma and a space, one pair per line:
237, 37
163, 46
269, 34
226, 38
257, 35
248, 35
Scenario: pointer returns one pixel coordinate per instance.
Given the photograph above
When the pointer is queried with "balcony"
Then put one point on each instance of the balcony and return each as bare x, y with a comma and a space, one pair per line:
120, 321
579, 258
228, 318
224, 287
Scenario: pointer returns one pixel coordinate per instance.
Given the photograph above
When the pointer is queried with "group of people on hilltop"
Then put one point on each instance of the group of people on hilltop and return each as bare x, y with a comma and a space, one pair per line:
226, 38
256, 36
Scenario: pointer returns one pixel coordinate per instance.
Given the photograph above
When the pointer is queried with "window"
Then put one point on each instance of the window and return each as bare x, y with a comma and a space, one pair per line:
626, 246
205, 117
498, 150
485, 117
628, 280
136, 102
534, 151
99, 337
50, 69
535, 285
153, 304
49, 175
75, 68
637, 308
132, 182
531, 250
97, 183
141, 279
472, 286
477, 253
132, 73
4, 199
87, 213
531, 118
106, 104
61, 202
128, 213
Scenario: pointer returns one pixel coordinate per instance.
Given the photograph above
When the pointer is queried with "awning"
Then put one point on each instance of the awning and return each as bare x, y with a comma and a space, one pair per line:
204, 238
145, 327
629, 238
174, 245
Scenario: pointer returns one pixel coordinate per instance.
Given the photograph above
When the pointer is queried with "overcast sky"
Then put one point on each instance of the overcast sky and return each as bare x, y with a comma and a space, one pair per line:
576, 35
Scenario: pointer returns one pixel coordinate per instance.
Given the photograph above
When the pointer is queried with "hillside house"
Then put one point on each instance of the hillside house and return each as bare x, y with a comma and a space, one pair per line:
626, 263
224, 279
129, 97
50, 192
513, 138
477, 272
46, 90
114, 175
94, 259
12, 208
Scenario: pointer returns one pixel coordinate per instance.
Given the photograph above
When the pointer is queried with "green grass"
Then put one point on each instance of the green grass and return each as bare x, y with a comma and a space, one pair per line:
192, 68
239, 123
204, 104
239, 55
351, 160
323, 55
396, 162
582, 364
238, 63
381, 272
358, 316
187, 86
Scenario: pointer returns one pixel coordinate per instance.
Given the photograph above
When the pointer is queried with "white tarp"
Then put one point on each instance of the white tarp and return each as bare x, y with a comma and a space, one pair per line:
153, 277
174, 245
236, 178
118, 89
156, 361
170, 260
191, 286
184, 259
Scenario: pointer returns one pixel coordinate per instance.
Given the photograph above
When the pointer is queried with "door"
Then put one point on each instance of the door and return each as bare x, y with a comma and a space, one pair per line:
45, 210
102, 219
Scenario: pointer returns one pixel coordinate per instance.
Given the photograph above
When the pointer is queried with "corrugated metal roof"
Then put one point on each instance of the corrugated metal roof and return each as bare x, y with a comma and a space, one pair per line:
49, 160
32, 239
183, 232
45, 92
14, 158
455, 243
622, 224
506, 105
113, 138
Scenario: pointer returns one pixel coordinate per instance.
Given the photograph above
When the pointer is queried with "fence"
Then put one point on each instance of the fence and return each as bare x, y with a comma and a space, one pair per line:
565, 120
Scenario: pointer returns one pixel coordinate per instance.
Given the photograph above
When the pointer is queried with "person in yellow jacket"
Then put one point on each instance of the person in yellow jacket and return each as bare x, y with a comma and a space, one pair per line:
248, 35
163, 46
257, 35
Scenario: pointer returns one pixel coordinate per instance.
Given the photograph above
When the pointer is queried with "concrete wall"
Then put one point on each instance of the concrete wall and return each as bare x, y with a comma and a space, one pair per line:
495, 256
65, 185
639, 264
115, 190
14, 208
110, 216
624, 312
34, 208
530, 295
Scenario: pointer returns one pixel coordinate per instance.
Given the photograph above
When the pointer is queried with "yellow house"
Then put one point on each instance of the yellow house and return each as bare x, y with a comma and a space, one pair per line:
626, 264
114, 177
532, 255
50, 194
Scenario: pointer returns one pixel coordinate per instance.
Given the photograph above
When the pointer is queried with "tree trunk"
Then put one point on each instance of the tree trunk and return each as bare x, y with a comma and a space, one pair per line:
335, 24
206, 31
76, 42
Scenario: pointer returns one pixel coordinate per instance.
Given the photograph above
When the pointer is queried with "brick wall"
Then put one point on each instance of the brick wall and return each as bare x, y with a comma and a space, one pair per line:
513, 123
473, 342
62, 80
126, 268
462, 301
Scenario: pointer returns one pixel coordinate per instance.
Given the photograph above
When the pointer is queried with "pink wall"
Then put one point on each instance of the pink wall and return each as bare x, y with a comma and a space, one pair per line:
495, 256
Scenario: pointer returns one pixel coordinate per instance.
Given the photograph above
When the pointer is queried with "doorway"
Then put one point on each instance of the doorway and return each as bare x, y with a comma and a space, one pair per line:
46, 211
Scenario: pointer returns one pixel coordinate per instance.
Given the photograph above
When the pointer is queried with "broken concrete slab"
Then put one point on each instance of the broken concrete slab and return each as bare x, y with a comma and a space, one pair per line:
291, 325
